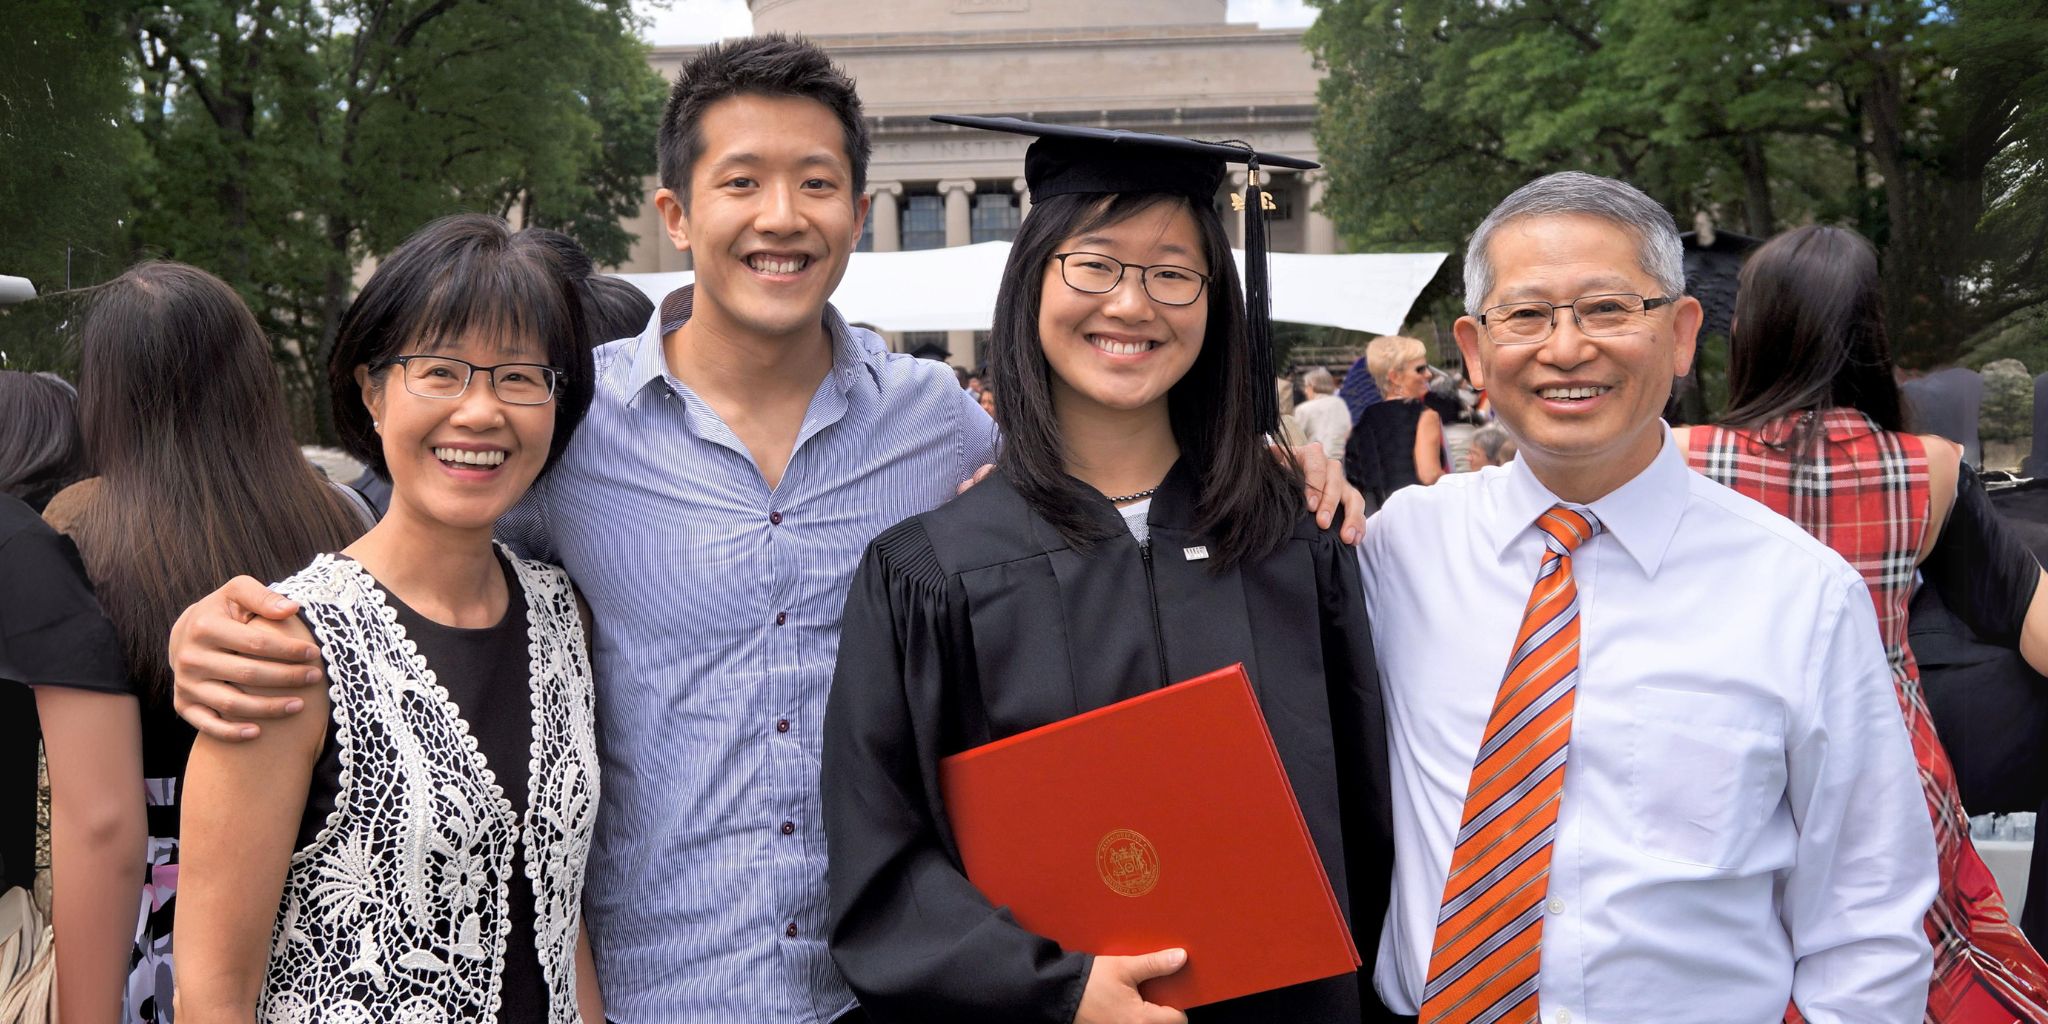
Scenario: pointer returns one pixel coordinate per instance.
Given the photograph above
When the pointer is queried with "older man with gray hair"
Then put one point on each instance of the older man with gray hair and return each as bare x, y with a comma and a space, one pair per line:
1653, 767
1323, 417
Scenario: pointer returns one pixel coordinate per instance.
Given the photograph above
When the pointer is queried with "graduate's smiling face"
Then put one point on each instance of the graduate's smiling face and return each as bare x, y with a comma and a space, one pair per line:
1123, 349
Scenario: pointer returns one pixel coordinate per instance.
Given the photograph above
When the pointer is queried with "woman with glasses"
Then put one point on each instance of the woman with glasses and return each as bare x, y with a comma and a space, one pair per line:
1815, 430
1397, 442
411, 847
1135, 533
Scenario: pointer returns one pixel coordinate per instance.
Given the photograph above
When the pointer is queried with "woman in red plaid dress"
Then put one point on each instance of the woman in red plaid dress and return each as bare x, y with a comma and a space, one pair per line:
1814, 432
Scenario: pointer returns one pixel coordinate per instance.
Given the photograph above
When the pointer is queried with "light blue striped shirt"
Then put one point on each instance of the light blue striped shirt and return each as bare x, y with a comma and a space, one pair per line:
717, 604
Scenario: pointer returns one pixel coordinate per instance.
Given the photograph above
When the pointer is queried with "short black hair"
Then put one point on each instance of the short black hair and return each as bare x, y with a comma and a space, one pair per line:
41, 451
575, 261
769, 65
459, 274
615, 309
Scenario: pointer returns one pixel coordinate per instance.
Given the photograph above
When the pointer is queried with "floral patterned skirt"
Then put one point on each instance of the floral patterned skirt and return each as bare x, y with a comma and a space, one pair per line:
148, 998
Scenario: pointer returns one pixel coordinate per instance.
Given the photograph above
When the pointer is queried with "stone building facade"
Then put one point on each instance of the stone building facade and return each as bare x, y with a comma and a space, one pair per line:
1174, 66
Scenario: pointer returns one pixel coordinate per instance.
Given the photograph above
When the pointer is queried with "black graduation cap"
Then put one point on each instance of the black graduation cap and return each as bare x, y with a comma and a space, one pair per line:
1078, 160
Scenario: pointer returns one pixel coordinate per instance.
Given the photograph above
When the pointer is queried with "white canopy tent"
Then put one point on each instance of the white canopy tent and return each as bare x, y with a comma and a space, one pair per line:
955, 289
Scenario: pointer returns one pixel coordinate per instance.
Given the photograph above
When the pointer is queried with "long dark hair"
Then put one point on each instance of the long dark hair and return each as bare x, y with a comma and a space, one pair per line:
1809, 334
184, 420
1248, 500
41, 451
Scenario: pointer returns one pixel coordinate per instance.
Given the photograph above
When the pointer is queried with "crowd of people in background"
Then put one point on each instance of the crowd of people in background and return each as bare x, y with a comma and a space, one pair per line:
728, 568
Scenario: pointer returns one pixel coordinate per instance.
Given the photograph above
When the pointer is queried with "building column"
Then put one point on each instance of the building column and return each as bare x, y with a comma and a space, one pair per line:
959, 231
885, 215
1023, 191
959, 210
1233, 220
1320, 232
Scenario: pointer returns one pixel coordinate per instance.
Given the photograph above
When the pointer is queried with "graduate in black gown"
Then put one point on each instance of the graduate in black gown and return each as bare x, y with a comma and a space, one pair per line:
1135, 534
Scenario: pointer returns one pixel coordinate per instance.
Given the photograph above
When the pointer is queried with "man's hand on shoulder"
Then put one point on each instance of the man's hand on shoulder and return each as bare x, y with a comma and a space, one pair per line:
1328, 492
221, 644
979, 475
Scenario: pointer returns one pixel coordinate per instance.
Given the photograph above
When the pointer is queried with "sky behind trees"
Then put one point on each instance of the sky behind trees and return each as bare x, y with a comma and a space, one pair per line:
701, 21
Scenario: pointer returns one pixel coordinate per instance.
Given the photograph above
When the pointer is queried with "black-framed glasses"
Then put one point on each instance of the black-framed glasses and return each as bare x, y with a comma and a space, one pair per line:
1096, 274
448, 377
1599, 316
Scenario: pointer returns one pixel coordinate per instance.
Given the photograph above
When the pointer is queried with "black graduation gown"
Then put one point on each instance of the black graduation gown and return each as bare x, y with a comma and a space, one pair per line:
977, 621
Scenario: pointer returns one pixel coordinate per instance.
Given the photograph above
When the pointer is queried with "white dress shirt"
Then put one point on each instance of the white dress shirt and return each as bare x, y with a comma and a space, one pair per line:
1742, 821
1326, 419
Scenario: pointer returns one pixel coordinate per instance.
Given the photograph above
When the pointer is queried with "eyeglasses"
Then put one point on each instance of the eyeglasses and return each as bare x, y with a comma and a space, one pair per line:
1096, 274
1599, 316
448, 377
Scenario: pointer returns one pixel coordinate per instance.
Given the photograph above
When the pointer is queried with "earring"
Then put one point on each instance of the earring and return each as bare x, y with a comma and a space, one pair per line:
374, 425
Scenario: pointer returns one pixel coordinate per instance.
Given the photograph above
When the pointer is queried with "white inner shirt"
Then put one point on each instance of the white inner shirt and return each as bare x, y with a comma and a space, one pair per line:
1134, 518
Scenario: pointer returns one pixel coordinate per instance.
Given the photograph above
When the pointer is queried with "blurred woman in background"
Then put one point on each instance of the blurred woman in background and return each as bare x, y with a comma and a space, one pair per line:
198, 480
41, 451
50, 626
1397, 442
1814, 429
40, 454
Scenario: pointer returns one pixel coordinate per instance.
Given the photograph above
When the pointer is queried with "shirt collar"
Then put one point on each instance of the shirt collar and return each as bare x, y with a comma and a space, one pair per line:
1642, 515
856, 352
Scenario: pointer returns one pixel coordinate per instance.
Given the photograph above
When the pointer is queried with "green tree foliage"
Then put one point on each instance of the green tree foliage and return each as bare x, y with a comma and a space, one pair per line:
2008, 410
1919, 122
283, 143
64, 160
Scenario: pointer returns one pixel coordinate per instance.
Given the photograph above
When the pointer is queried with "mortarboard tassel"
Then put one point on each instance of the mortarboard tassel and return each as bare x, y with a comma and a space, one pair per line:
1258, 303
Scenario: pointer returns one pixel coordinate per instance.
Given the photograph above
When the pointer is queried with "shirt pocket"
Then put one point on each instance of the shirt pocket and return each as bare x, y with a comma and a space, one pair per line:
1706, 770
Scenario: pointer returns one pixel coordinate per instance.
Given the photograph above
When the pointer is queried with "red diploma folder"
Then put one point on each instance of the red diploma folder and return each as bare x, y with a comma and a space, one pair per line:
1161, 821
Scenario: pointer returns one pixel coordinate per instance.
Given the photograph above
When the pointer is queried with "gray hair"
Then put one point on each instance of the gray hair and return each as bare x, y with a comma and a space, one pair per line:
1318, 380
1494, 442
1576, 192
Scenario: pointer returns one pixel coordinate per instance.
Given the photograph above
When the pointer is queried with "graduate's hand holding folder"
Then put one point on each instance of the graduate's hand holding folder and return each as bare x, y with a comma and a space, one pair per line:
1161, 822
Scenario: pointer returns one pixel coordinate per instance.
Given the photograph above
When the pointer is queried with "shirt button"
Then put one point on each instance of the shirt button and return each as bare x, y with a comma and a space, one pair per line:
781, 617
775, 518
1555, 906
782, 725
789, 828
791, 932
1563, 1016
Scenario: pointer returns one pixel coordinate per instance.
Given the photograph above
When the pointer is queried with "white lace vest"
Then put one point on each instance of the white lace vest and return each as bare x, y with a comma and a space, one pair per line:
397, 911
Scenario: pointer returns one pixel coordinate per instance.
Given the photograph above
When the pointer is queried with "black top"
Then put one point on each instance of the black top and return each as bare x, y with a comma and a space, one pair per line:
1989, 706
1379, 456
1982, 566
52, 631
977, 621
487, 673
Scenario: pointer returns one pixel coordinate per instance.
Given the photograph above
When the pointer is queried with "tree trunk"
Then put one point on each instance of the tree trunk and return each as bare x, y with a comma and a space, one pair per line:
1758, 218
334, 297
1915, 301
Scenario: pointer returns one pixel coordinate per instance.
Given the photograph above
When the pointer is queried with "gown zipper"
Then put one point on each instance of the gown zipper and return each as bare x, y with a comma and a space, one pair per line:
1152, 597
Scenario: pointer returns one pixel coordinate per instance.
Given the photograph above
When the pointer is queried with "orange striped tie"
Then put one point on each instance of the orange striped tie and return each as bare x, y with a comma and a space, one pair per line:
1489, 931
